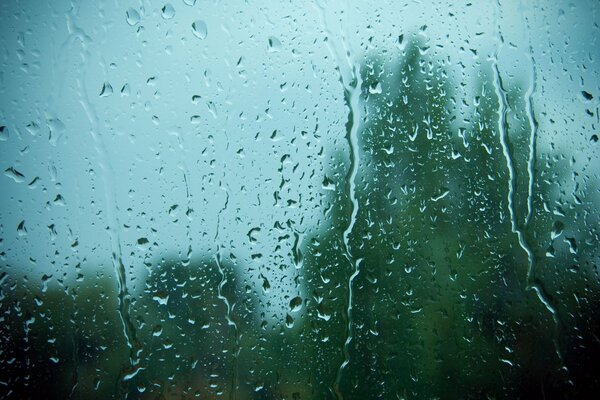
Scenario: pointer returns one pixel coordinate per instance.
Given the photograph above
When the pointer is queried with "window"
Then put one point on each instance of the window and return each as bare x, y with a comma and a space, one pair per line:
266, 200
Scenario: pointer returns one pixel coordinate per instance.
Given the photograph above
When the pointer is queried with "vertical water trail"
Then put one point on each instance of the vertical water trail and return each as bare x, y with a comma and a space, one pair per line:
533, 127
532, 282
351, 81
112, 210
188, 213
188, 197
224, 299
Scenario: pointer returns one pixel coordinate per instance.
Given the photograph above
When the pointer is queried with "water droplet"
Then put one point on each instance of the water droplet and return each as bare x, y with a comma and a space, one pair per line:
199, 29
3, 133
21, 229
328, 184
296, 304
572, 245
289, 321
557, 229
106, 90
161, 298
587, 95
168, 11
252, 235
212, 109
33, 128
57, 129
274, 44
132, 17
33, 183
443, 192
59, 200
14, 175
265, 285
375, 88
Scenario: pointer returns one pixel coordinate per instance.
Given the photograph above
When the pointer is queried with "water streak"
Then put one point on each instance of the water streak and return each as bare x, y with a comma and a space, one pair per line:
351, 81
224, 299
533, 128
503, 108
112, 209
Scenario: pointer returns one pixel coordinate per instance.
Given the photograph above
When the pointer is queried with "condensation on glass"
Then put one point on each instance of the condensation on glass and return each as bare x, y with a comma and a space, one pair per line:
266, 200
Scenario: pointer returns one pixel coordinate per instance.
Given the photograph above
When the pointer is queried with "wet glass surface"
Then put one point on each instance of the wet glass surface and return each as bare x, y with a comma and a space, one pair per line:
265, 200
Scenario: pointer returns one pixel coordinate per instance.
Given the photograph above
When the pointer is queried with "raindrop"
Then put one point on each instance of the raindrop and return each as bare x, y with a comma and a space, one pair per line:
3, 133
289, 321
265, 285
557, 229
572, 245
161, 298
212, 109
328, 184
33, 128
168, 11
14, 175
296, 304
33, 183
106, 90
21, 230
587, 95
375, 88
199, 29
132, 17
59, 200
57, 129
274, 44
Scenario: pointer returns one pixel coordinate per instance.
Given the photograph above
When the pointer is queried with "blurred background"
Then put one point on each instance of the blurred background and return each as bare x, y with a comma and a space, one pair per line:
309, 200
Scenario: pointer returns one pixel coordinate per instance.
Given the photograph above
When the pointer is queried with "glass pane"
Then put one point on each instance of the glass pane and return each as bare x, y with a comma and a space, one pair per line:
265, 200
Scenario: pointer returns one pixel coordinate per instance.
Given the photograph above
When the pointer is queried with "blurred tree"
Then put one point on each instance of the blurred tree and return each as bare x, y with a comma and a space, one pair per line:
437, 277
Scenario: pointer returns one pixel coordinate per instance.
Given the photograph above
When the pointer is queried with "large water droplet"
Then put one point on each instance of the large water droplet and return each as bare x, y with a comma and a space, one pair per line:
168, 11
106, 90
132, 17
199, 29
